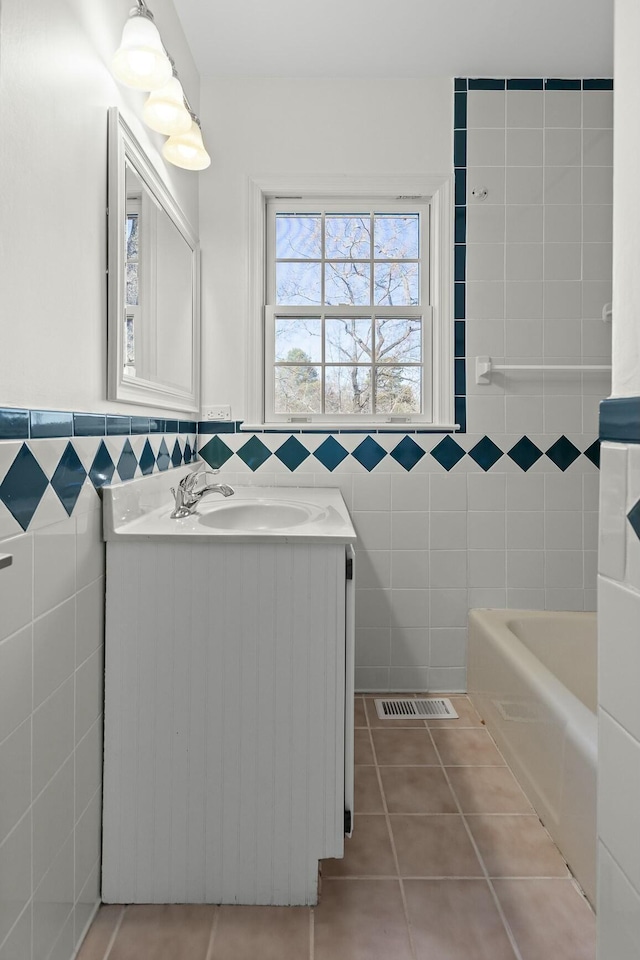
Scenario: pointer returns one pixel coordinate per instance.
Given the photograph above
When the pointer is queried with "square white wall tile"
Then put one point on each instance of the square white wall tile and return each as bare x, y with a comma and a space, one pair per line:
524, 300
16, 679
524, 223
486, 530
524, 147
15, 778
16, 585
563, 261
563, 300
524, 261
54, 644
410, 608
448, 531
563, 184
485, 261
618, 910
618, 790
619, 653
54, 568
563, 223
53, 819
597, 223
485, 223
52, 734
597, 148
372, 646
88, 766
562, 108
613, 521
485, 300
486, 568
485, 108
373, 568
410, 569
598, 185
562, 148
525, 108
524, 185
485, 147
15, 884
410, 647
410, 531
491, 179
449, 569
448, 647
597, 109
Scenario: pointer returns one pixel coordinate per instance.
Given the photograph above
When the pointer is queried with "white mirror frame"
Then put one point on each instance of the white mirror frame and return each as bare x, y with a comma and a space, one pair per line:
123, 147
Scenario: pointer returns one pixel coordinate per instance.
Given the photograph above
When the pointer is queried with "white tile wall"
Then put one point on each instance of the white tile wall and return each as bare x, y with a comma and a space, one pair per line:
51, 646
619, 714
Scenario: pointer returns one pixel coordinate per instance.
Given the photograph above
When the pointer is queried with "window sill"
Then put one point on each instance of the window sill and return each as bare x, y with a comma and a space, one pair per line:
372, 427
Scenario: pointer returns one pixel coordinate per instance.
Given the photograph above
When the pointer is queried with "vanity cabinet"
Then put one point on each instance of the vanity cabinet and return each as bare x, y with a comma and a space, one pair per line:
228, 719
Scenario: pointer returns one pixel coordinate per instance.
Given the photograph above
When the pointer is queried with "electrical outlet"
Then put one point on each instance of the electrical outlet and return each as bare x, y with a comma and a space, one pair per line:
218, 411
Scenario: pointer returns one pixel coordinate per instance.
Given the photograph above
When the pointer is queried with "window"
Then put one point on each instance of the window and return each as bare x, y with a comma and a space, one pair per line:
348, 318
352, 290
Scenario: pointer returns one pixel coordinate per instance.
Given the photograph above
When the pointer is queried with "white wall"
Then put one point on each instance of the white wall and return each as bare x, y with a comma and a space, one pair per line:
626, 276
314, 127
54, 93
619, 552
55, 88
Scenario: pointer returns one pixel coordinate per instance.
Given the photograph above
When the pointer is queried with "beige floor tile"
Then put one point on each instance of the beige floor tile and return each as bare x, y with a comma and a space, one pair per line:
435, 846
164, 932
467, 747
548, 918
374, 720
488, 790
455, 920
270, 933
467, 716
100, 932
367, 853
362, 746
360, 716
516, 847
367, 796
361, 920
417, 790
404, 747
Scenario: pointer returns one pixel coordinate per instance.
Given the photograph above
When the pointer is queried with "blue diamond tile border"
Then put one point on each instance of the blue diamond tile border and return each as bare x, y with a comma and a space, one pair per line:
369, 453
254, 453
127, 462
164, 457
330, 453
147, 459
23, 486
102, 468
68, 479
563, 453
593, 453
524, 453
216, 453
486, 453
447, 453
292, 453
407, 453
634, 519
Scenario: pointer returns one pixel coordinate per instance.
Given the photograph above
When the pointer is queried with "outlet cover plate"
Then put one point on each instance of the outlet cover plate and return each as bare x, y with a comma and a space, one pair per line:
216, 411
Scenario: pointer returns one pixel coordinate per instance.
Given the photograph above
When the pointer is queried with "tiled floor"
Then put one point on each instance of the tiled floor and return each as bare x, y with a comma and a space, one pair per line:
448, 862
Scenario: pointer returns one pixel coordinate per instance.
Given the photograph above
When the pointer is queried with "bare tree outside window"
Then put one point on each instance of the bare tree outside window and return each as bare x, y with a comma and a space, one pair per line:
368, 359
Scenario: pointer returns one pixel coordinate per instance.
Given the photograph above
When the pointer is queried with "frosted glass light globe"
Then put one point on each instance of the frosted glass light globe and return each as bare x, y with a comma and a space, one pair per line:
165, 111
187, 150
140, 60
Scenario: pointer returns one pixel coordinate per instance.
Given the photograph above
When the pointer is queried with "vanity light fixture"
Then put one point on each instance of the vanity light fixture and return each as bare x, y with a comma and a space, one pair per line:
187, 149
142, 62
165, 111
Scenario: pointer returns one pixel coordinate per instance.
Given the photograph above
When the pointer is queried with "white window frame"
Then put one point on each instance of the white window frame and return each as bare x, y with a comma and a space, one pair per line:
437, 192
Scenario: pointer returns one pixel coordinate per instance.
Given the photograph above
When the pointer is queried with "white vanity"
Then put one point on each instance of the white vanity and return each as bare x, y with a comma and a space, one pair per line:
229, 694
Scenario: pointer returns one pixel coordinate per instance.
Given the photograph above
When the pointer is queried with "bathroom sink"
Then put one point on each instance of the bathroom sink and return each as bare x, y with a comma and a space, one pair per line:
140, 510
258, 514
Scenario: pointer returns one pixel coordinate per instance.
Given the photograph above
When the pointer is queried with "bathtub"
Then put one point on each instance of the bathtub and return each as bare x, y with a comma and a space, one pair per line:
532, 678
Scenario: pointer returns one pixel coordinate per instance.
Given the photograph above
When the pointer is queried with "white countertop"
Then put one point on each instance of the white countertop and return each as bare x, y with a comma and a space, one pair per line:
139, 510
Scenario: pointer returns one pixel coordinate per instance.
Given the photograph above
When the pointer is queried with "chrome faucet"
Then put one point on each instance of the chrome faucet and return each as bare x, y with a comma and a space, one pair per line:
189, 494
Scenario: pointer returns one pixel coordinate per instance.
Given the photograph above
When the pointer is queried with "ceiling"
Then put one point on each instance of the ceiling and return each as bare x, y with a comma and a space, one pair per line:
400, 38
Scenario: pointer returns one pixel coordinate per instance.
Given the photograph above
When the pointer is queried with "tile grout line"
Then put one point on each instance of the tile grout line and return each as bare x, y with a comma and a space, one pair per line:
501, 914
115, 933
212, 935
405, 908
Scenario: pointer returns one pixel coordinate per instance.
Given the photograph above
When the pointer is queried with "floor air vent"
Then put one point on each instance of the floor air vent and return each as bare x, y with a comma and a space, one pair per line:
421, 709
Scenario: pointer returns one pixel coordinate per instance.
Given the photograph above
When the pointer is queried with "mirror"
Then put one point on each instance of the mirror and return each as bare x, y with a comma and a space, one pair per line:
153, 258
